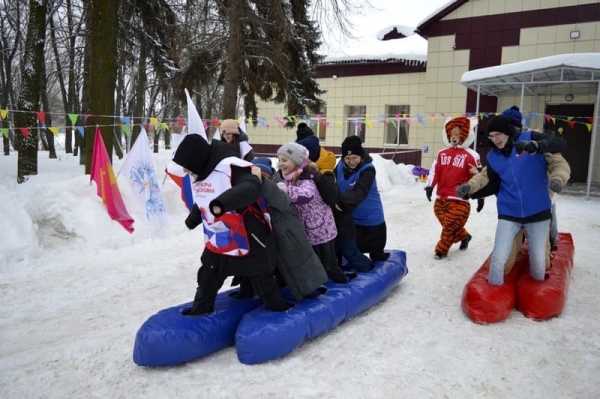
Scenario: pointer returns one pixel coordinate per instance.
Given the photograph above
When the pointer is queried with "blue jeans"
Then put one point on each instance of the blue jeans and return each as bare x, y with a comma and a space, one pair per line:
537, 235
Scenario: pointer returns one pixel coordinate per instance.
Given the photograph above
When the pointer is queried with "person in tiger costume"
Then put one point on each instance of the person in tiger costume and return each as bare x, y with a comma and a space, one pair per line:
452, 167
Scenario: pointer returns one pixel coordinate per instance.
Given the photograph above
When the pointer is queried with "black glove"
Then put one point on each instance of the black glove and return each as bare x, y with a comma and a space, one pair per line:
194, 218
480, 204
428, 192
530, 146
556, 185
463, 190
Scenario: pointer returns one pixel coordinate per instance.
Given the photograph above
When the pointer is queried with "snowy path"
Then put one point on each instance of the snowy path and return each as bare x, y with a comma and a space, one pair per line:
71, 309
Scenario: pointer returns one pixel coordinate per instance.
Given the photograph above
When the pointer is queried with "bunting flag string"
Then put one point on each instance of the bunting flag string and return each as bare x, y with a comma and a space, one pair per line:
282, 121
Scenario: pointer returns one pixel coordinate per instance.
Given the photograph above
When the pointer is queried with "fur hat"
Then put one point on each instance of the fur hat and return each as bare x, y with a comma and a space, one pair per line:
352, 145
230, 126
295, 152
514, 115
462, 123
265, 165
501, 124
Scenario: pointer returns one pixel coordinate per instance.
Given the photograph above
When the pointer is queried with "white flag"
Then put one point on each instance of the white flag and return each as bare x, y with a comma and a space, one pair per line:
194, 122
139, 169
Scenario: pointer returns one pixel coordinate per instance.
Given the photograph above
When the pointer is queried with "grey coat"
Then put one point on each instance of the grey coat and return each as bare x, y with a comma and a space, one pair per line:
296, 260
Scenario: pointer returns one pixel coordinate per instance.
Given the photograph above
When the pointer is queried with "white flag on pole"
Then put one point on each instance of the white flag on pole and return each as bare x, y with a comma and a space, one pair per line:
139, 170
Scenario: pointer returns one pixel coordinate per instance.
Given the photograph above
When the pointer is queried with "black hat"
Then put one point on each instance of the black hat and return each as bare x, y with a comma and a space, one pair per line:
199, 157
303, 131
501, 124
312, 145
352, 145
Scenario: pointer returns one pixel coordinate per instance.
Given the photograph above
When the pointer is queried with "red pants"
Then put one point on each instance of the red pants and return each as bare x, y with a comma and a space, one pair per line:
453, 215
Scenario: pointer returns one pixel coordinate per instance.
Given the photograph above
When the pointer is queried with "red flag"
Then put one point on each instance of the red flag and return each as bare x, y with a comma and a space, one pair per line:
41, 117
106, 184
24, 132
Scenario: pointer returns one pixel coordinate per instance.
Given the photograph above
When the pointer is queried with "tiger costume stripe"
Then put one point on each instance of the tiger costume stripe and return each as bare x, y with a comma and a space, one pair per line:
453, 216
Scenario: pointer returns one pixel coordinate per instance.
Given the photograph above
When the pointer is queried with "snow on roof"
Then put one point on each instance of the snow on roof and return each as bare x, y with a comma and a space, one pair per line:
434, 13
365, 58
575, 60
401, 29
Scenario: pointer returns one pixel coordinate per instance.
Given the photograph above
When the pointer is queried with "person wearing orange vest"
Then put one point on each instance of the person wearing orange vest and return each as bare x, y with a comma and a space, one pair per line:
236, 224
452, 167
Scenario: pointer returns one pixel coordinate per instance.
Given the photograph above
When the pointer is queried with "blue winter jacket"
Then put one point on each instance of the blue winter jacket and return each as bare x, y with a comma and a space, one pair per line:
370, 211
523, 191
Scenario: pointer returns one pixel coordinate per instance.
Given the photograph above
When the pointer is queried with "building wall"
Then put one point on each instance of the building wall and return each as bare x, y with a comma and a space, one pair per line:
374, 91
438, 89
477, 8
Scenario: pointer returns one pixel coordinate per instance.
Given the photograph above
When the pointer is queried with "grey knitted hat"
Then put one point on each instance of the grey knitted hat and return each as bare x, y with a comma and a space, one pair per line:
295, 152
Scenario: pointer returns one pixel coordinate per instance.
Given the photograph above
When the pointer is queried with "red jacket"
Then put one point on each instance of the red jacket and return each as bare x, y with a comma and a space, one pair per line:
450, 169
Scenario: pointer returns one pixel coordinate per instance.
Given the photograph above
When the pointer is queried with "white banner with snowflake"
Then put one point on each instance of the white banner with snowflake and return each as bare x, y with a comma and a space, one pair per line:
139, 169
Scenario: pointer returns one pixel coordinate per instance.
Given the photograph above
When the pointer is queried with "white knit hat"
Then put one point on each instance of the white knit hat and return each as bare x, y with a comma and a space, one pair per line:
295, 152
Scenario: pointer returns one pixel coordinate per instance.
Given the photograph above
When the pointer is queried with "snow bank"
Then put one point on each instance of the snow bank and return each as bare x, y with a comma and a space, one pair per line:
390, 174
59, 209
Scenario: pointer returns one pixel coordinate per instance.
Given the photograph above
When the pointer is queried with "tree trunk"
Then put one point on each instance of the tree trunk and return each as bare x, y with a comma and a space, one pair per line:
140, 89
29, 98
233, 72
46, 105
102, 36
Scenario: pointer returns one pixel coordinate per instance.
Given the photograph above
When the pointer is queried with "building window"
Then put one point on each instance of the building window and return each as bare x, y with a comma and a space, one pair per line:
396, 129
355, 121
318, 123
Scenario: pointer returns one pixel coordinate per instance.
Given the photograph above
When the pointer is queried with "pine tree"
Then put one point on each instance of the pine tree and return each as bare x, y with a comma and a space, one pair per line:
271, 51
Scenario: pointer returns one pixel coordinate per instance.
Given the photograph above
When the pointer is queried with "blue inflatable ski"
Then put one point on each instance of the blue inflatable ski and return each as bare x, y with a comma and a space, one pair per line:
263, 335
169, 338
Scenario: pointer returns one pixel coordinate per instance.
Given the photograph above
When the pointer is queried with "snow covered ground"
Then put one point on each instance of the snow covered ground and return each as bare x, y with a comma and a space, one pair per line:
75, 287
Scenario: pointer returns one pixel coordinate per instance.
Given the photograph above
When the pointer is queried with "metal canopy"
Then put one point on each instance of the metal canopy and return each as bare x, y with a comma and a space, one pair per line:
577, 74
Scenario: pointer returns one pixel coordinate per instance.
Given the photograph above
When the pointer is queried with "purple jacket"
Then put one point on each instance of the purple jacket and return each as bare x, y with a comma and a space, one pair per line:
315, 214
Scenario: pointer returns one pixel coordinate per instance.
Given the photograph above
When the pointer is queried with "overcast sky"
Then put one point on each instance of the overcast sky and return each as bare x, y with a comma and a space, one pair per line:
370, 21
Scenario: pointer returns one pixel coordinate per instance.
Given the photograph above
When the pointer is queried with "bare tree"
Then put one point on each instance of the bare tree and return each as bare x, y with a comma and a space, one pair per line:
30, 95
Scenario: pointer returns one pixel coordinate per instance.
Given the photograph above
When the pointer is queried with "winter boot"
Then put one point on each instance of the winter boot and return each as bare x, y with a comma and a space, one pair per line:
464, 244
266, 288
439, 255
201, 305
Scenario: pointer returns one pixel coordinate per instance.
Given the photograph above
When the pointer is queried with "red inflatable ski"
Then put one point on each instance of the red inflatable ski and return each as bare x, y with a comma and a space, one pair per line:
485, 303
542, 301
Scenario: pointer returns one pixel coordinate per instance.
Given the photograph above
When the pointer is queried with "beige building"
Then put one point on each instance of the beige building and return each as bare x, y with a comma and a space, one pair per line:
373, 97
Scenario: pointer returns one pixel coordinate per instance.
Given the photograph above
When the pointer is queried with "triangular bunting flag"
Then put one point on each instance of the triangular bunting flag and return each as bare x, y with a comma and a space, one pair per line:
4, 131
164, 126
126, 129
73, 118
24, 132
41, 117
81, 130
589, 127
54, 130
154, 121
3, 113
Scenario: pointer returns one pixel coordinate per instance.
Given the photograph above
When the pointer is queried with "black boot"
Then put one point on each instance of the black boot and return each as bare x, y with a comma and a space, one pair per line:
210, 279
266, 287
464, 244
201, 304
336, 274
439, 255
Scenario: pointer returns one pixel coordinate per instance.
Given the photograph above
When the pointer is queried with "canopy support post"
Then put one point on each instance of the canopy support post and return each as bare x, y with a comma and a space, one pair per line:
595, 121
